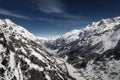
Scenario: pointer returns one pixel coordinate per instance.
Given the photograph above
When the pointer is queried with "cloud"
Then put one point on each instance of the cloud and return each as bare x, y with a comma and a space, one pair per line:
12, 14
46, 19
50, 6
67, 16
62, 20
57, 9
64, 17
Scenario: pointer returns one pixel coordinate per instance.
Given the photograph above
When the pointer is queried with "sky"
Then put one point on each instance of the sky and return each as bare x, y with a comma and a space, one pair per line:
56, 17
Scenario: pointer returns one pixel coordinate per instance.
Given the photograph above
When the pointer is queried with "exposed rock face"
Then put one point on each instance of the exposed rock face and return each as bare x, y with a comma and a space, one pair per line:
91, 53
94, 50
22, 58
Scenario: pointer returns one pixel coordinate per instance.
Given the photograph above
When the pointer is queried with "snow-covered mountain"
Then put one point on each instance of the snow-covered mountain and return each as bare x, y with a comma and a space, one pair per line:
22, 57
93, 51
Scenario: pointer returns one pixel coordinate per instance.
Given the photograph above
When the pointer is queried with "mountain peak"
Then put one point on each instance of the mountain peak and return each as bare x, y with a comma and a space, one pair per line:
104, 24
118, 17
10, 28
6, 21
72, 35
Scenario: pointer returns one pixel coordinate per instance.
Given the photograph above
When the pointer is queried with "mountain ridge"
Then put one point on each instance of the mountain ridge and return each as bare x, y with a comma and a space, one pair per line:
88, 54
23, 58
93, 51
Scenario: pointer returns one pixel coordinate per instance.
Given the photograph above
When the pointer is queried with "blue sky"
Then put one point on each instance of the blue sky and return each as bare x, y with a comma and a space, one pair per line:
56, 17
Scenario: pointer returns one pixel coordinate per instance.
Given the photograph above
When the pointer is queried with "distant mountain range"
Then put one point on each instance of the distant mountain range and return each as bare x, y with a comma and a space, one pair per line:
92, 53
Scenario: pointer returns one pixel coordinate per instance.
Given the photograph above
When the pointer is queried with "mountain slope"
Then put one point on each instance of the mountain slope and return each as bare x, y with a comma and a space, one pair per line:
93, 51
22, 58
